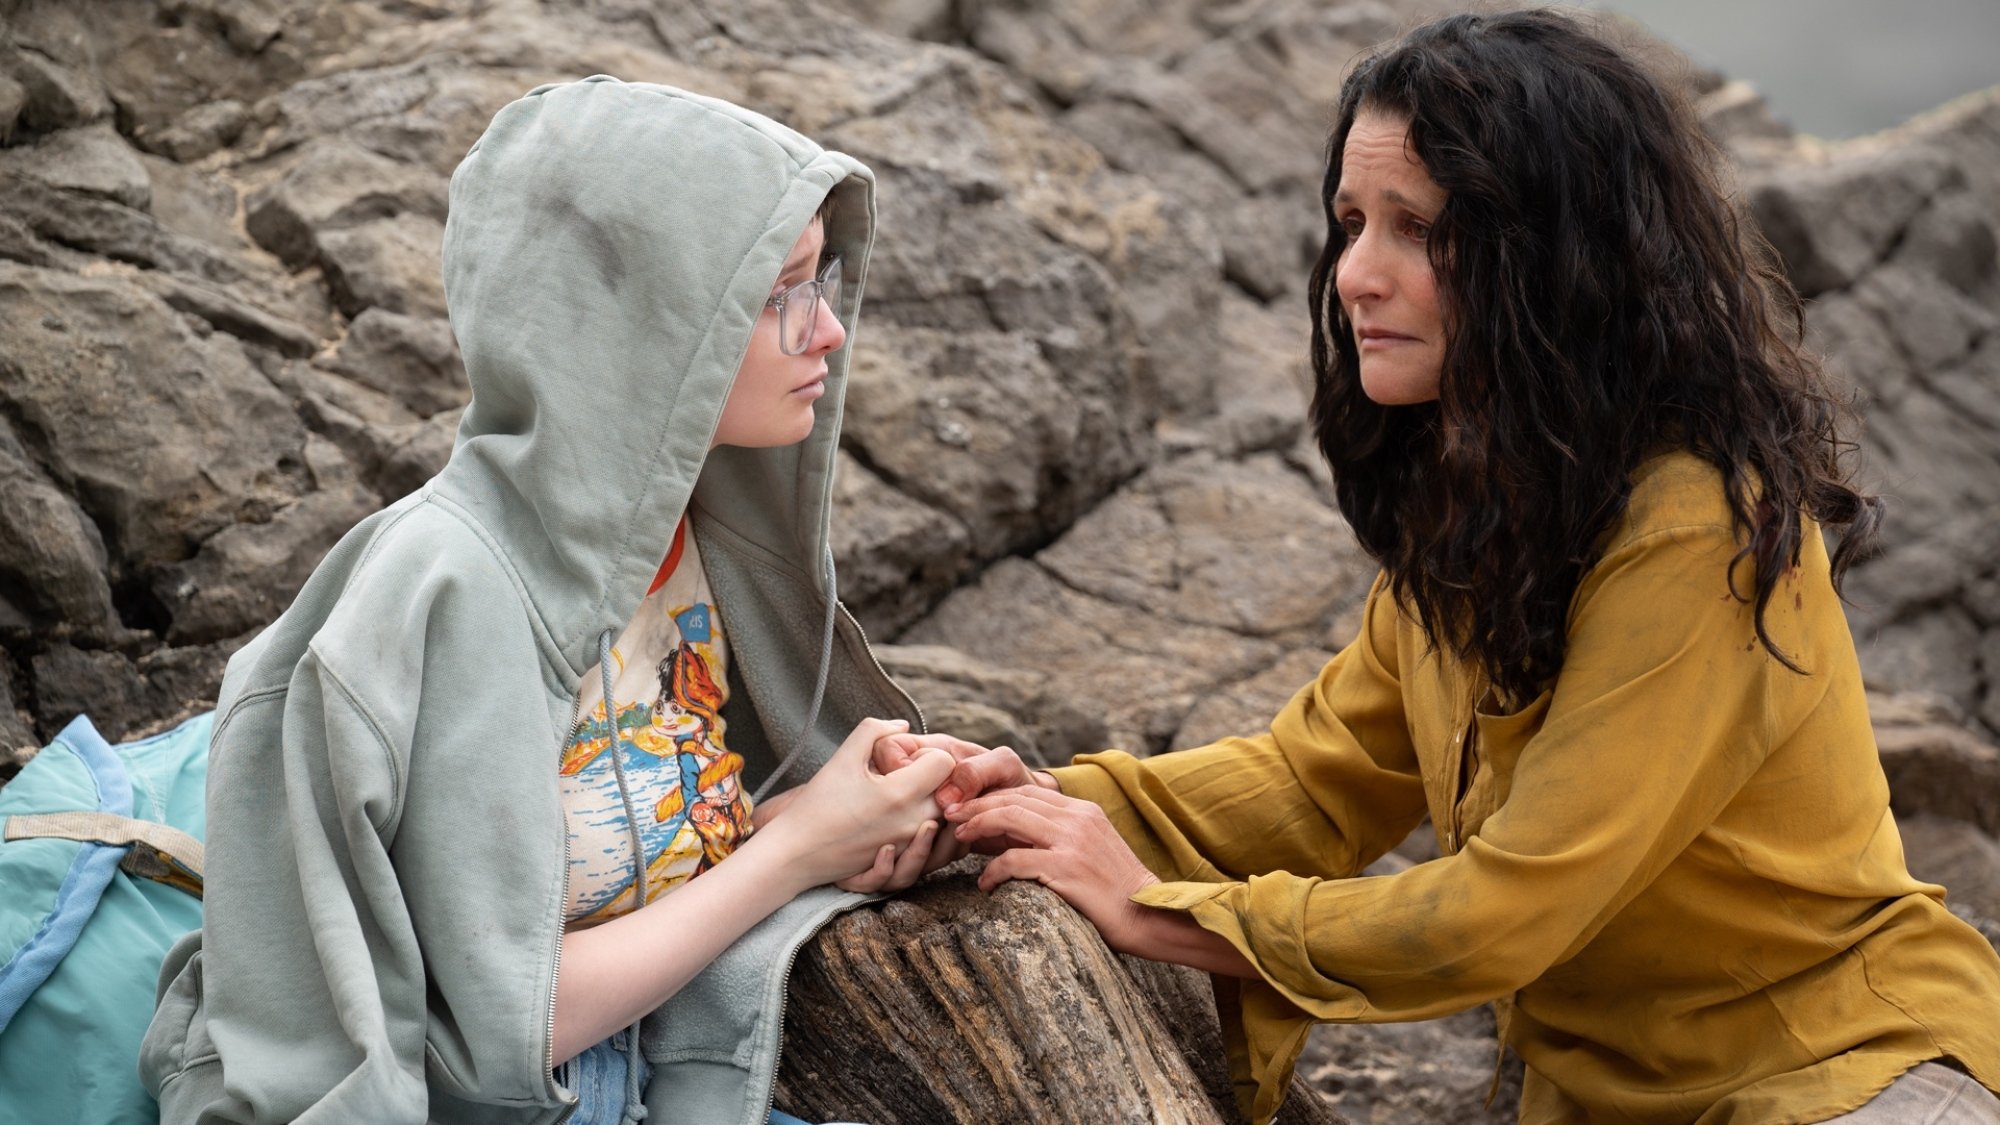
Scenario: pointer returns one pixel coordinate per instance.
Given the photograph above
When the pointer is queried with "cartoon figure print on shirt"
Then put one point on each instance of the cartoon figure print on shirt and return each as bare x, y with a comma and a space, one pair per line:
684, 783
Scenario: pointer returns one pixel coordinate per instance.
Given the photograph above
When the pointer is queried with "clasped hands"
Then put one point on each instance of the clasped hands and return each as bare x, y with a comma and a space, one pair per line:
876, 808
997, 806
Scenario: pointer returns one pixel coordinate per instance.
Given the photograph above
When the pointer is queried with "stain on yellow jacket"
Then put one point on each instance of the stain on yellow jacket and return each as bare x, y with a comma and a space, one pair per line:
1678, 863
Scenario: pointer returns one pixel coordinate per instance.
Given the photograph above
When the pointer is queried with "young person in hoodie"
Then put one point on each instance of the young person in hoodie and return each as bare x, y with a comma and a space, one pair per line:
438, 862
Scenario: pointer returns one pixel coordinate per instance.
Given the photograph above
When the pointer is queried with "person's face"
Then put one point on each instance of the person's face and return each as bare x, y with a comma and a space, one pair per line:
771, 403
1386, 202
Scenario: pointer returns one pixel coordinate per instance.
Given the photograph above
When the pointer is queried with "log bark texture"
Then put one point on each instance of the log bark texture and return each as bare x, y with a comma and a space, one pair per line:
949, 1005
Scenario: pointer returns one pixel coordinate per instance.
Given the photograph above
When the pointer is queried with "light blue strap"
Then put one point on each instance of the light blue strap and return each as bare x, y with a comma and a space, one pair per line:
89, 873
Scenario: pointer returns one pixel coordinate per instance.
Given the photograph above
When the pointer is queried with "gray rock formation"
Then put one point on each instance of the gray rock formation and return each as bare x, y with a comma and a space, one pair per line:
1075, 486
1197, 575
1400, 1074
1893, 239
1030, 712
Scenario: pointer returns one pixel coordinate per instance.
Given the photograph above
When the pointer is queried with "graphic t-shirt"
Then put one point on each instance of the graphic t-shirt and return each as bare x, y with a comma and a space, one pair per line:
669, 684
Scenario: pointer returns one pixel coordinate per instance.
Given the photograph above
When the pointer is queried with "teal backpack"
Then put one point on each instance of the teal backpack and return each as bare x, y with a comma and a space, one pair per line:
100, 871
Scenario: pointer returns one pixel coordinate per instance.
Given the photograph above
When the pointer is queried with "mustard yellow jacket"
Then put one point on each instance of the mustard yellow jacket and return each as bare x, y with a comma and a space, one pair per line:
1676, 868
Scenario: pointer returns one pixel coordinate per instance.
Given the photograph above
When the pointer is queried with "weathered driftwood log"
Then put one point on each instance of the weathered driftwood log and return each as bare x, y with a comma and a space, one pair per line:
947, 1005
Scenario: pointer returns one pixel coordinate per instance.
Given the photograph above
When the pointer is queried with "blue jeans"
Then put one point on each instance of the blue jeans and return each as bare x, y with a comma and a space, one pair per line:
597, 1078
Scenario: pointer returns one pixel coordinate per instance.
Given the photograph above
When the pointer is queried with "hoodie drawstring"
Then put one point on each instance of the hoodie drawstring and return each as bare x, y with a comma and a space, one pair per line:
635, 1104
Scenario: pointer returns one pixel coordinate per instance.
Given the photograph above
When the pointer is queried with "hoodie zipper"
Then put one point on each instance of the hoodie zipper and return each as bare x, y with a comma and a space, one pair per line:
923, 724
555, 978
784, 1002
826, 915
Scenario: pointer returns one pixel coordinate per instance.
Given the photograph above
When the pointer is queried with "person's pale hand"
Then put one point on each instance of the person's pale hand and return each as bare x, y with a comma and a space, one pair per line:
768, 809
840, 821
896, 869
895, 751
1067, 845
996, 771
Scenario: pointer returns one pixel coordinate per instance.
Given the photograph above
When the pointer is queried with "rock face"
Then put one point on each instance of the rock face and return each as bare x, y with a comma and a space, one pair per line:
256, 226
1893, 238
1075, 487
1196, 576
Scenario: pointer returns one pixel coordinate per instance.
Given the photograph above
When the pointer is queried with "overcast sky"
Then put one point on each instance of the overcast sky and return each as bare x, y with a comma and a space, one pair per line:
1836, 68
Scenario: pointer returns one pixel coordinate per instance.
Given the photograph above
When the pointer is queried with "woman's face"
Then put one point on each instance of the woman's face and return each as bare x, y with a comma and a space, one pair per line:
1386, 202
772, 400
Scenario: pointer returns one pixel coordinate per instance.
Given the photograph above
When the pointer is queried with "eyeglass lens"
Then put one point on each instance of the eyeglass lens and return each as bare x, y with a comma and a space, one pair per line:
798, 315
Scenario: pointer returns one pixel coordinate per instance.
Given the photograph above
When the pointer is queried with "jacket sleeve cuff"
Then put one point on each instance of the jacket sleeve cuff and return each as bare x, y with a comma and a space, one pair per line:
1080, 779
1181, 896
1277, 951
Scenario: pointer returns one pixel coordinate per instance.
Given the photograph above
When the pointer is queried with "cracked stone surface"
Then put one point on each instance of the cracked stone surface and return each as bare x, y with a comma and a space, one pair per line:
1247, 706
1142, 671
1030, 711
1160, 603
1433, 1070
1247, 546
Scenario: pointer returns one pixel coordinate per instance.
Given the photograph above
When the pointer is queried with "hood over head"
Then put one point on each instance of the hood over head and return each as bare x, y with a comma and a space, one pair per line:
609, 249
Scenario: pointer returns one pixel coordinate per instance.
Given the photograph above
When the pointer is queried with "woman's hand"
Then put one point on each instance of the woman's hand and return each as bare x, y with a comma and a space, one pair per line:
1068, 846
999, 770
893, 752
979, 770
839, 822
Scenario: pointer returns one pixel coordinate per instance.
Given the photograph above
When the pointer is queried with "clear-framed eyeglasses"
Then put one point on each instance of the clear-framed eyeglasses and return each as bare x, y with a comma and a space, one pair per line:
798, 308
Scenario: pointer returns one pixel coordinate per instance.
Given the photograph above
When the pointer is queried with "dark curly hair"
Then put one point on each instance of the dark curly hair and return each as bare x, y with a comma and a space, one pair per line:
1602, 301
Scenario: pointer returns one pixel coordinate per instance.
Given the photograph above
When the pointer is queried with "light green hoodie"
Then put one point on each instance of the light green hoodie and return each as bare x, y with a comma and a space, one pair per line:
386, 844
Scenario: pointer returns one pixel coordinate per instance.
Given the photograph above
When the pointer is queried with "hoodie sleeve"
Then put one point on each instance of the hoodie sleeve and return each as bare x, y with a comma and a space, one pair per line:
383, 897
307, 977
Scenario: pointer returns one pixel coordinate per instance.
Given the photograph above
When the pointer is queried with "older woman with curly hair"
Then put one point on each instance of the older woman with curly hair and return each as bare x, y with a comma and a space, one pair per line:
1563, 396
